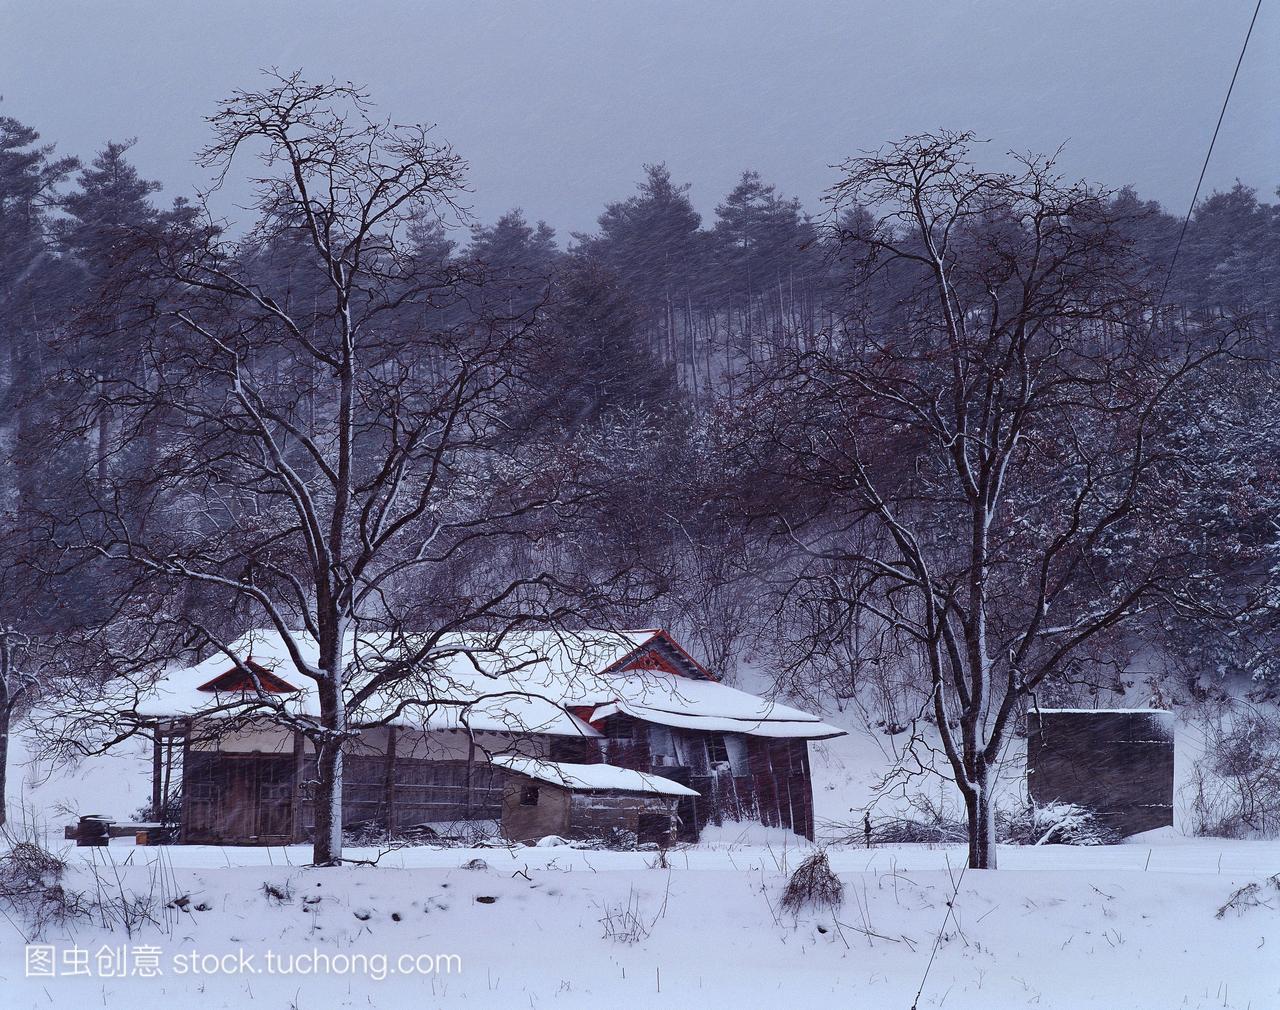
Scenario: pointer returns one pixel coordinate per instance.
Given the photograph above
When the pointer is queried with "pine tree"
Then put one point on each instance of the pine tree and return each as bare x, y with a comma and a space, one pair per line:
32, 286
513, 261
592, 361
653, 243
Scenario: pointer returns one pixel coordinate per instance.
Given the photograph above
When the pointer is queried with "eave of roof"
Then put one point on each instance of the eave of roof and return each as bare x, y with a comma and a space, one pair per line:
794, 729
597, 778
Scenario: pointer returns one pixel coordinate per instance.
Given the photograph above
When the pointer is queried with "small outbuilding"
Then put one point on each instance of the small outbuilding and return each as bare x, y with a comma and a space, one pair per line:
1116, 762
544, 798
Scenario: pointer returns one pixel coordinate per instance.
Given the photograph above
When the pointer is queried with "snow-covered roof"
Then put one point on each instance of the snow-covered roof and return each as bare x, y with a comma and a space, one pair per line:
526, 681
710, 706
593, 778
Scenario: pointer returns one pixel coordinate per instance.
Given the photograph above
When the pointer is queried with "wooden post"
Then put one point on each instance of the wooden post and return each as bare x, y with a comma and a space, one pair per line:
471, 769
157, 790
186, 789
299, 771
389, 782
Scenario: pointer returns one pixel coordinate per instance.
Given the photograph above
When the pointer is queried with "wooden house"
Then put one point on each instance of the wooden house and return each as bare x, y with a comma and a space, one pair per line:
437, 749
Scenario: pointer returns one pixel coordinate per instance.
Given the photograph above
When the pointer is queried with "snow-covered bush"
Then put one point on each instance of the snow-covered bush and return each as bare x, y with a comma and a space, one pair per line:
933, 830
1054, 824
617, 839
169, 814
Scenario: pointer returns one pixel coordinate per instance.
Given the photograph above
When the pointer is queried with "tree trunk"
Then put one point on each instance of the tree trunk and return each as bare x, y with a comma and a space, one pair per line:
5, 714
981, 810
471, 770
104, 439
157, 788
327, 848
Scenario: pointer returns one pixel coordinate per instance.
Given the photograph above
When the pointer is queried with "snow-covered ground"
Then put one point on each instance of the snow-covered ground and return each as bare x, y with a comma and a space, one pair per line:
1130, 926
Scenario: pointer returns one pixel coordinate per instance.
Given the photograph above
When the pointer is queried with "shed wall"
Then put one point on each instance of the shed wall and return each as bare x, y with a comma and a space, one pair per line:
1117, 763
529, 823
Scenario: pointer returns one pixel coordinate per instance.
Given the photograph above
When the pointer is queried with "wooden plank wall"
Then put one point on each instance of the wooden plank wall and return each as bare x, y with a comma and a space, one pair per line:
1117, 763
387, 789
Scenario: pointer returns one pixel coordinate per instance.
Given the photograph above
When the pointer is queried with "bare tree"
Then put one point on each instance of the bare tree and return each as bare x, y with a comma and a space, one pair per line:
320, 460
17, 686
978, 459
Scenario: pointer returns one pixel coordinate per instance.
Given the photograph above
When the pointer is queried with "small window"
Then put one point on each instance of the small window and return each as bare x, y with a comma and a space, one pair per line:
717, 752
528, 796
620, 728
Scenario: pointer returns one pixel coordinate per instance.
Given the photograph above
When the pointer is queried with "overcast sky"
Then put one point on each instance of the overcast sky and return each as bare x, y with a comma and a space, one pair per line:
557, 104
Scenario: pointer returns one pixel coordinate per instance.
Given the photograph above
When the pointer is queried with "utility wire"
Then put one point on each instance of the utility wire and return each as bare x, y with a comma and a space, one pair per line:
937, 940
1164, 288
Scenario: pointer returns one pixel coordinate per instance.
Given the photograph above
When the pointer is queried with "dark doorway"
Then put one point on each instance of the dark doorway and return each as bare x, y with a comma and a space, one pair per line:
238, 798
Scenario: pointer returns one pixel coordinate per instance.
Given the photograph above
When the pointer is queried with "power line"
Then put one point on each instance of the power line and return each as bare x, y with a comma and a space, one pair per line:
1205, 167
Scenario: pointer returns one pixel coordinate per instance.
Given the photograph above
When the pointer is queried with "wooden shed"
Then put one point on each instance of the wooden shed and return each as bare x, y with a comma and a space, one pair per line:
544, 798
1117, 762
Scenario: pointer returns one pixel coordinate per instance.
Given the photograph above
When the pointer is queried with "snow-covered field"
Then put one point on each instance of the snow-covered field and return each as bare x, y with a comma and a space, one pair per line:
1131, 926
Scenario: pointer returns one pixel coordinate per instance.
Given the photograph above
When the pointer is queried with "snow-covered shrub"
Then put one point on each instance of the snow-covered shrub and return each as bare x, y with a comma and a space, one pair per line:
1054, 824
444, 834
904, 830
618, 839
279, 894
927, 822
813, 884
169, 815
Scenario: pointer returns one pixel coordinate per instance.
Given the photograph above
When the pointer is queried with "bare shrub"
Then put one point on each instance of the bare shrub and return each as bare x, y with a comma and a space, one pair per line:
623, 923
116, 906
1249, 896
813, 884
1235, 787
31, 884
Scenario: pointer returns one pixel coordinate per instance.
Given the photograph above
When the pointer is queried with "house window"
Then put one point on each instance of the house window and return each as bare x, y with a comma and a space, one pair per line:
662, 746
717, 752
620, 728
528, 796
